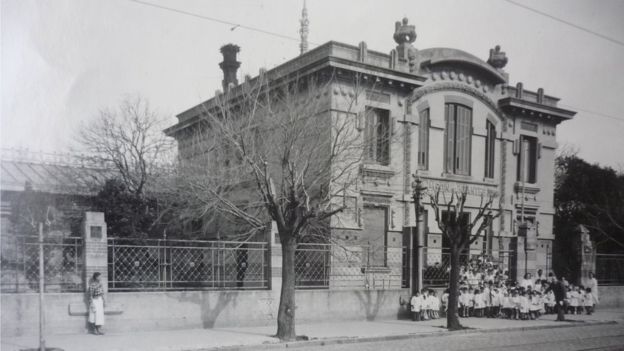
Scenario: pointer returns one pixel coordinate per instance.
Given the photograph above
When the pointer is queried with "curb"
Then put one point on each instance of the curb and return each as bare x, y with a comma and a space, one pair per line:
355, 340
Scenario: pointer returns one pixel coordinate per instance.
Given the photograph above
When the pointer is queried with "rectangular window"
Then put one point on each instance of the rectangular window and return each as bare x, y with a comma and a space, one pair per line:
377, 134
423, 140
490, 147
458, 135
527, 160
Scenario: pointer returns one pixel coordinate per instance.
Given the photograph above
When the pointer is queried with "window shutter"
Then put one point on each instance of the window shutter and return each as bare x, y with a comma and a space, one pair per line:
449, 136
539, 150
369, 134
423, 139
516, 147
388, 142
463, 136
460, 144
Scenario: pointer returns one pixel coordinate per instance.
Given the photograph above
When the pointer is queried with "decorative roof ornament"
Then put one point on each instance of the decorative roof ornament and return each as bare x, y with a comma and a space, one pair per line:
406, 53
404, 33
498, 59
304, 30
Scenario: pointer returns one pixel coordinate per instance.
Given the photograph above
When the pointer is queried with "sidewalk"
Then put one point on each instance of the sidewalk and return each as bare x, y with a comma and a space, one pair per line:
260, 337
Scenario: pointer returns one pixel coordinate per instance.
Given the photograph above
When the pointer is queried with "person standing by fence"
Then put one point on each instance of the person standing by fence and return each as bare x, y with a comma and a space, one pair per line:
96, 304
592, 283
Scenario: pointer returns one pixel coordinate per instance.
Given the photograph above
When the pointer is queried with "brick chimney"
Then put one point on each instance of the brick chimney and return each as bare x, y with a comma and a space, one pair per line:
229, 65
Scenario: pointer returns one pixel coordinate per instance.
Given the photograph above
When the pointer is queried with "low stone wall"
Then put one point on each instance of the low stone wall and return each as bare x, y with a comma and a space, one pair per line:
611, 296
136, 311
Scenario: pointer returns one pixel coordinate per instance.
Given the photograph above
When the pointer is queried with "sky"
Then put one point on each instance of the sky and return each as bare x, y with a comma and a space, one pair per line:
63, 61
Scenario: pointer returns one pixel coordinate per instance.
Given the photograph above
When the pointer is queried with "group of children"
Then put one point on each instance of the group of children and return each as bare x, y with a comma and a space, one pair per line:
487, 293
425, 305
519, 302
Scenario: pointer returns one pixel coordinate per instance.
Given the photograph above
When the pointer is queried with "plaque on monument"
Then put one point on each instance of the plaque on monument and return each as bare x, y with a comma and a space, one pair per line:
95, 231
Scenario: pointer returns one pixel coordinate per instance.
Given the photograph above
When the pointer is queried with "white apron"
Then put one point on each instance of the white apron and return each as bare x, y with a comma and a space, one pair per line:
96, 311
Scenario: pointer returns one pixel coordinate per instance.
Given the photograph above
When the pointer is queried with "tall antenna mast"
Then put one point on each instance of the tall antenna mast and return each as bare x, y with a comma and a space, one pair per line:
304, 30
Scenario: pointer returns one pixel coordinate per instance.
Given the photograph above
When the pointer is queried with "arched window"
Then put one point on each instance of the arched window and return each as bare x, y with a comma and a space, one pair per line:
458, 138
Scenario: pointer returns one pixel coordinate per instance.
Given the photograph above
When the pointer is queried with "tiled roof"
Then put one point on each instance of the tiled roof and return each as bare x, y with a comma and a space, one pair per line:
51, 176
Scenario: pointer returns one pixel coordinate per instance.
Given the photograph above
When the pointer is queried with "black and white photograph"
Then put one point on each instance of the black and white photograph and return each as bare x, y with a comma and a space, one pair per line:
346, 175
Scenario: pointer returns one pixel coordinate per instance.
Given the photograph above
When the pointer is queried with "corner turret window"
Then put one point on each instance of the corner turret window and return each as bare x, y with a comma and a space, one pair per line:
490, 148
458, 138
423, 140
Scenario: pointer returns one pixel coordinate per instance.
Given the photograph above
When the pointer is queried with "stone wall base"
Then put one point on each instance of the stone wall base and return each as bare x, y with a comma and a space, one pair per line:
143, 311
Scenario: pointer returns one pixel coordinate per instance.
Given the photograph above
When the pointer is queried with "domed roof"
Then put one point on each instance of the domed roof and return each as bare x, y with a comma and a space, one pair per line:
435, 56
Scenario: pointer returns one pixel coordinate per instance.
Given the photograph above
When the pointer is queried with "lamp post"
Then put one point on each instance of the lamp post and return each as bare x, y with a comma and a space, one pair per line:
418, 237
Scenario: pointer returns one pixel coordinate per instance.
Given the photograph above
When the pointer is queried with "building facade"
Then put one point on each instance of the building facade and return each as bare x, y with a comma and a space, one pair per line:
450, 118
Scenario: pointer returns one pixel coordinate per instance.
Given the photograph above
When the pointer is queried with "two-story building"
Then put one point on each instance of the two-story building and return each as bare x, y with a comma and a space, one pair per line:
451, 118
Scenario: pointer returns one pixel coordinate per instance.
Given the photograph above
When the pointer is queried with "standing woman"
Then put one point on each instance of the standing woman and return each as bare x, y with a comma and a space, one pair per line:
593, 285
96, 304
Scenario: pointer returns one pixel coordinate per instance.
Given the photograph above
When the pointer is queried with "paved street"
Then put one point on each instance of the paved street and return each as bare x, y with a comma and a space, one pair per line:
599, 337
603, 329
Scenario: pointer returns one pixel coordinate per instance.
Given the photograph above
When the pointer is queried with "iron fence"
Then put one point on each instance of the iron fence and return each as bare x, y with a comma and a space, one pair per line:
351, 267
151, 264
312, 266
610, 269
63, 264
437, 264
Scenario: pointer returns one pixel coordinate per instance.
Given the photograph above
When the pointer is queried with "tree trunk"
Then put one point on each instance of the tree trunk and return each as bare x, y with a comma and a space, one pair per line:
452, 318
286, 312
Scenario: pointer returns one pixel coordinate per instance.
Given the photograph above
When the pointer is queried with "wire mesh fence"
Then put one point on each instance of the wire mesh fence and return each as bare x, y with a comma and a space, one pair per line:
151, 264
63, 264
312, 266
334, 266
610, 269
437, 264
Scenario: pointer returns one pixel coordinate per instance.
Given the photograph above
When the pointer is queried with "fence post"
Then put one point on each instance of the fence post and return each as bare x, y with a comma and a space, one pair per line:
95, 247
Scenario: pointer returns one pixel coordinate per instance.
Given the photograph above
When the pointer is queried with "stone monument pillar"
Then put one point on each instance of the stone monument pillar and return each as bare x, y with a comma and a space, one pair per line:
526, 250
587, 254
95, 247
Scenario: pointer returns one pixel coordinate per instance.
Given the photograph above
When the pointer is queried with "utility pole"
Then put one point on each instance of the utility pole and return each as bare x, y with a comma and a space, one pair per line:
418, 238
41, 288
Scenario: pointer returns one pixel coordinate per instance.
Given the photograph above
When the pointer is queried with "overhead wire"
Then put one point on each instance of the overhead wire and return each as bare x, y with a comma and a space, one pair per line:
233, 25
282, 36
561, 20
596, 113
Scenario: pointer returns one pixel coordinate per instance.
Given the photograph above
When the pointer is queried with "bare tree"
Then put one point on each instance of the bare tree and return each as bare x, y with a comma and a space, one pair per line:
461, 232
272, 150
130, 138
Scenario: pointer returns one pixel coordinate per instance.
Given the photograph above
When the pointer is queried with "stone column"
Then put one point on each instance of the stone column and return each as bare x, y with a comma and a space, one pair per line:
587, 254
95, 247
